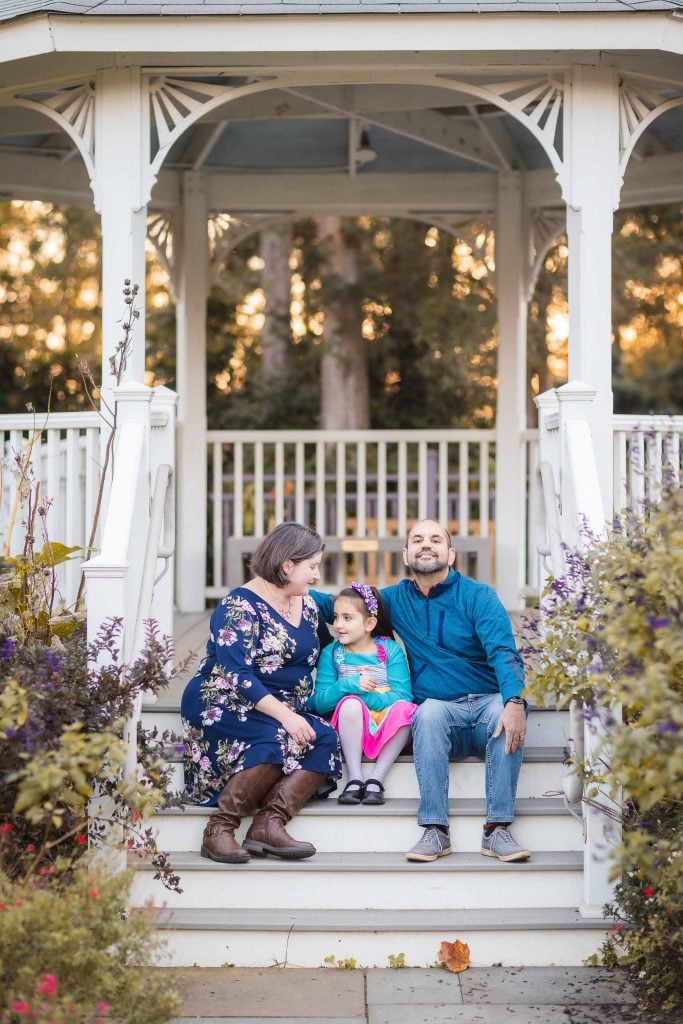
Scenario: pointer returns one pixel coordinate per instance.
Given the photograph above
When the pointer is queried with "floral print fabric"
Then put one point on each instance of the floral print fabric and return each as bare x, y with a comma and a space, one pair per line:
252, 653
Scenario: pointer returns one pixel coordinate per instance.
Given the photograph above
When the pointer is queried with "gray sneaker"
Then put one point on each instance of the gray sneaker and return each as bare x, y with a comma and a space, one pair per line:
434, 844
501, 844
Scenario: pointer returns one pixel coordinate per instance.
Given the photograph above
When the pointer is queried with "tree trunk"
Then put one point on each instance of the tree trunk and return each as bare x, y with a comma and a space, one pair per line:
344, 390
276, 284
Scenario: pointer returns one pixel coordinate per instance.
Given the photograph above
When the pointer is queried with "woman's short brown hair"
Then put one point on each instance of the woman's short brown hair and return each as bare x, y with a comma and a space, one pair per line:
288, 542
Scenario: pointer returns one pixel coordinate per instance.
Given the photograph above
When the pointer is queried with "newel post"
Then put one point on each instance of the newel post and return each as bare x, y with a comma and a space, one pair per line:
112, 576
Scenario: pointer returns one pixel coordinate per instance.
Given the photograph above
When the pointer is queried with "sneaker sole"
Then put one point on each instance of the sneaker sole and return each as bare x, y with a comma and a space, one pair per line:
426, 857
507, 858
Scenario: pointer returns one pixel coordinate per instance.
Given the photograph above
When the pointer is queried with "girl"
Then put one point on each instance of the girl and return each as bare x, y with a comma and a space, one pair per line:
363, 678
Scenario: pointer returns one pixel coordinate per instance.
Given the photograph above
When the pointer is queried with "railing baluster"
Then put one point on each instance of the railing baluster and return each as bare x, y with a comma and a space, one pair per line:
422, 480
620, 471
402, 488
531, 553
381, 488
464, 491
341, 489
91, 470
237, 489
361, 489
443, 482
637, 468
279, 482
300, 482
217, 462
259, 517
483, 488
320, 487
51, 489
73, 510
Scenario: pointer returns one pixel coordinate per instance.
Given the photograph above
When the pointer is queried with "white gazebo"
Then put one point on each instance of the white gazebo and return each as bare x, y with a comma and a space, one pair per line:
194, 124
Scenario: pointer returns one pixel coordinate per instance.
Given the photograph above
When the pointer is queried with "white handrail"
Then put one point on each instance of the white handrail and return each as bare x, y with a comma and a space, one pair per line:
161, 517
548, 528
549, 543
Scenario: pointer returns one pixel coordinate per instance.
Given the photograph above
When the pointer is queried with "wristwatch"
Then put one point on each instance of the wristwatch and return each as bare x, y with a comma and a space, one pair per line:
515, 700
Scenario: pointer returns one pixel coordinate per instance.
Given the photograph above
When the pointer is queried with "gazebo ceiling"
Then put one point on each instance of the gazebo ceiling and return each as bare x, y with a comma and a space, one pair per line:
338, 129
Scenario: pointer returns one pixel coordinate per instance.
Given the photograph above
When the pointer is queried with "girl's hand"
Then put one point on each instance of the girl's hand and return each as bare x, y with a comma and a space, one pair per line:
366, 683
298, 728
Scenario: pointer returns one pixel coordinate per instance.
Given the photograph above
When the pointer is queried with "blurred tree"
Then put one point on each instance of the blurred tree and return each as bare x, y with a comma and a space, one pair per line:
426, 310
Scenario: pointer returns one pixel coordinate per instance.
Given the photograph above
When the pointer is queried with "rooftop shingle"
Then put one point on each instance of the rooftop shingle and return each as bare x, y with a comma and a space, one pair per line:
168, 8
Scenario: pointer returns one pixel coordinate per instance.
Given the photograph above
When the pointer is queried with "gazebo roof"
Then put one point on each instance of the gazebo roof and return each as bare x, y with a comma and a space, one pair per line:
16, 8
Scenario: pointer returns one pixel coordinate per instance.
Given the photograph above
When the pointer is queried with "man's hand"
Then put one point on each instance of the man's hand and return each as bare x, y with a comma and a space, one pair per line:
513, 720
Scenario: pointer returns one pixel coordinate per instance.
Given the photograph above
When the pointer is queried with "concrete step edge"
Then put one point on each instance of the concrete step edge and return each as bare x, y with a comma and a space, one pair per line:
374, 862
403, 807
532, 755
431, 921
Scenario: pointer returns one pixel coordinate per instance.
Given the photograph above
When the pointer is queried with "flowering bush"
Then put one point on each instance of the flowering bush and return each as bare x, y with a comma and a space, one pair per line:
611, 636
73, 952
60, 742
69, 949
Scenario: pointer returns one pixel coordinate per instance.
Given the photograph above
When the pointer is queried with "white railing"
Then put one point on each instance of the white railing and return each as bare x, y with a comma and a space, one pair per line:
648, 450
571, 515
346, 483
65, 465
121, 578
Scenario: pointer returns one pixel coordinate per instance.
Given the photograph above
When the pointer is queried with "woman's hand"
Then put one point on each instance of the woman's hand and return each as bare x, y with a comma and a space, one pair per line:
298, 728
366, 683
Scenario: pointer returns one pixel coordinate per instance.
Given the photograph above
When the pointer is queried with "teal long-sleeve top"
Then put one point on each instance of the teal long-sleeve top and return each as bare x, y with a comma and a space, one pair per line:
458, 637
331, 686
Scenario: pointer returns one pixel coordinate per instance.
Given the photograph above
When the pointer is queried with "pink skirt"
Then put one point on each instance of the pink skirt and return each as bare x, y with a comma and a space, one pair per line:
379, 726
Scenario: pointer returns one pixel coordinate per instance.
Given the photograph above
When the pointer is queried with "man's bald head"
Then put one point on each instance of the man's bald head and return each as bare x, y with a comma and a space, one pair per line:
428, 551
429, 526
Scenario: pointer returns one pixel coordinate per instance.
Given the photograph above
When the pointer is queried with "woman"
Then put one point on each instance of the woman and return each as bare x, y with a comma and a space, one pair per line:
256, 745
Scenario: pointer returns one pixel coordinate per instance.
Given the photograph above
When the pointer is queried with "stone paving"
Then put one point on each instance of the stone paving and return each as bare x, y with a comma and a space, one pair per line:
481, 995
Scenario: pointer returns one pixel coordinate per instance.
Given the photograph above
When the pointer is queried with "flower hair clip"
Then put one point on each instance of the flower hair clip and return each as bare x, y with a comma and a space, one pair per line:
368, 597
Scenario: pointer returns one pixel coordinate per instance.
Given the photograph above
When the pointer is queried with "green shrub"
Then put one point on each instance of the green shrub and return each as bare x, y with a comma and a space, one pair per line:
611, 637
73, 952
61, 722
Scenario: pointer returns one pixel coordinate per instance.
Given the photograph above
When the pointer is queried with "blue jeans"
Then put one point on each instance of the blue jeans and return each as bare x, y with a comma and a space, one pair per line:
444, 730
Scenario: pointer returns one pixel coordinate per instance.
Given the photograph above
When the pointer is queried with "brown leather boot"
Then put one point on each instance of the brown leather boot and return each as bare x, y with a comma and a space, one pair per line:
267, 833
243, 792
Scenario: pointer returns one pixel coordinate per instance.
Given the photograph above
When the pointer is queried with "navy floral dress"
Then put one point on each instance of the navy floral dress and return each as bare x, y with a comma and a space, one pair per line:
252, 653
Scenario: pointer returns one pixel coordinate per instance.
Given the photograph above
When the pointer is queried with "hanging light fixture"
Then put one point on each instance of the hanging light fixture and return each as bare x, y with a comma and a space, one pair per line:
365, 154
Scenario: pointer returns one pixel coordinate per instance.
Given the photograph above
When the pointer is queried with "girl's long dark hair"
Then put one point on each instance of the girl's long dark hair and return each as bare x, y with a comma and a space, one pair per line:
383, 627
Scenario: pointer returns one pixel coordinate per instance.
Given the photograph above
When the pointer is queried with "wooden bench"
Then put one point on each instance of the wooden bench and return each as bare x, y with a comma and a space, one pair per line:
472, 558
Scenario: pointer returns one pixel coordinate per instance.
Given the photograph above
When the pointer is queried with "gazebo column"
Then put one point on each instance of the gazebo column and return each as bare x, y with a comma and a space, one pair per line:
192, 250
592, 192
118, 198
511, 262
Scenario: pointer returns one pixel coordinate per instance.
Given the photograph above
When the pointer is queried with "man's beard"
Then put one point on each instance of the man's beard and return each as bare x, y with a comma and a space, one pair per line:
427, 570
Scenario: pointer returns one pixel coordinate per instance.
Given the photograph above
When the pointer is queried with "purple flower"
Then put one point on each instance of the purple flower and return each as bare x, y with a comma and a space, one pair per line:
654, 623
7, 648
664, 727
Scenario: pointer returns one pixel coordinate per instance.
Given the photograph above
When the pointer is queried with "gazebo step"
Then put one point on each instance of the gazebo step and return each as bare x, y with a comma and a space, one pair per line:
306, 938
546, 727
542, 772
368, 880
541, 824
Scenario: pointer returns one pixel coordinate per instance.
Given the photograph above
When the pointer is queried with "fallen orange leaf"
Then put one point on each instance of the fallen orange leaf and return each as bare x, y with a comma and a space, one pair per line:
455, 955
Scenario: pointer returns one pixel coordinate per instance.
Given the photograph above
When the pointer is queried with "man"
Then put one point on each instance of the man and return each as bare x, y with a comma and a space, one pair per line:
467, 679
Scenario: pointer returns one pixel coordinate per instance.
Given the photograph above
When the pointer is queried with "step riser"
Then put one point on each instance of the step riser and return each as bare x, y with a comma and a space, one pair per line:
234, 886
352, 833
545, 728
466, 780
210, 948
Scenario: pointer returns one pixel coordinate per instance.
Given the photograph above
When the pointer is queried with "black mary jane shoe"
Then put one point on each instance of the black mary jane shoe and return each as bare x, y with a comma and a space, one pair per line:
353, 792
374, 795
